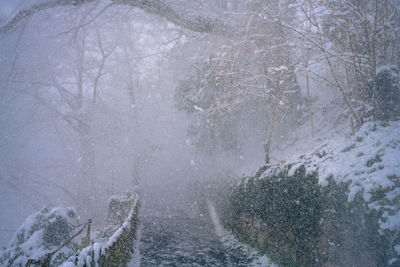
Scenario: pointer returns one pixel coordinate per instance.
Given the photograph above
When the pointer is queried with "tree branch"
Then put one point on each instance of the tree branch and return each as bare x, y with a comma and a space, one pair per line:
25, 13
155, 7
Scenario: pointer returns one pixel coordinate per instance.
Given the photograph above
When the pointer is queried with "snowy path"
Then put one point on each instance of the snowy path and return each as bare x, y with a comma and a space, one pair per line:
179, 234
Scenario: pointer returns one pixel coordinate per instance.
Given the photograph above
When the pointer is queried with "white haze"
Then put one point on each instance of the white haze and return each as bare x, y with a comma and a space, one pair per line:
40, 154
89, 108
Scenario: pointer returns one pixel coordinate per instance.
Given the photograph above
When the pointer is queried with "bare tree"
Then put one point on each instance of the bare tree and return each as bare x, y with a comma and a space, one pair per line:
156, 7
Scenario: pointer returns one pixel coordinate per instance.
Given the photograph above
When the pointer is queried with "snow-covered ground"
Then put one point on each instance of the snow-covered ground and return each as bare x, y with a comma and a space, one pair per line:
369, 161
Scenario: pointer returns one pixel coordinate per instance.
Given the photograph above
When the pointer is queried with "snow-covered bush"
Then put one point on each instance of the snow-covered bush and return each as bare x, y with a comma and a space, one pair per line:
337, 204
283, 211
53, 237
113, 243
299, 222
42, 233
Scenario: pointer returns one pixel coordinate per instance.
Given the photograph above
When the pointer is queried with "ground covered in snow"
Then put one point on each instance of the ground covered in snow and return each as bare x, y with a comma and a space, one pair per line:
369, 161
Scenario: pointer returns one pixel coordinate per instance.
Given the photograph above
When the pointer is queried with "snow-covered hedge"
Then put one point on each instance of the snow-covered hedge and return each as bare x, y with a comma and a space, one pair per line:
279, 214
337, 205
117, 249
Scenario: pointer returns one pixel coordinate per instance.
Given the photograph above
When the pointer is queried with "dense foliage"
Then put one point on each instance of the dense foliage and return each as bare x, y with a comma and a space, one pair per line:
388, 88
288, 208
301, 223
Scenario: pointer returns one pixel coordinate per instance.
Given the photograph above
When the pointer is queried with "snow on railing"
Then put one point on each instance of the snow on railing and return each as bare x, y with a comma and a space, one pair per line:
113, 252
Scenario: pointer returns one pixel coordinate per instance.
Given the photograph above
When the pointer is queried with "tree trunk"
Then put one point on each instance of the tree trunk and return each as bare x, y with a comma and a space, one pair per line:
86, 184
268, 140
308, 82
373, 61
309, 103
